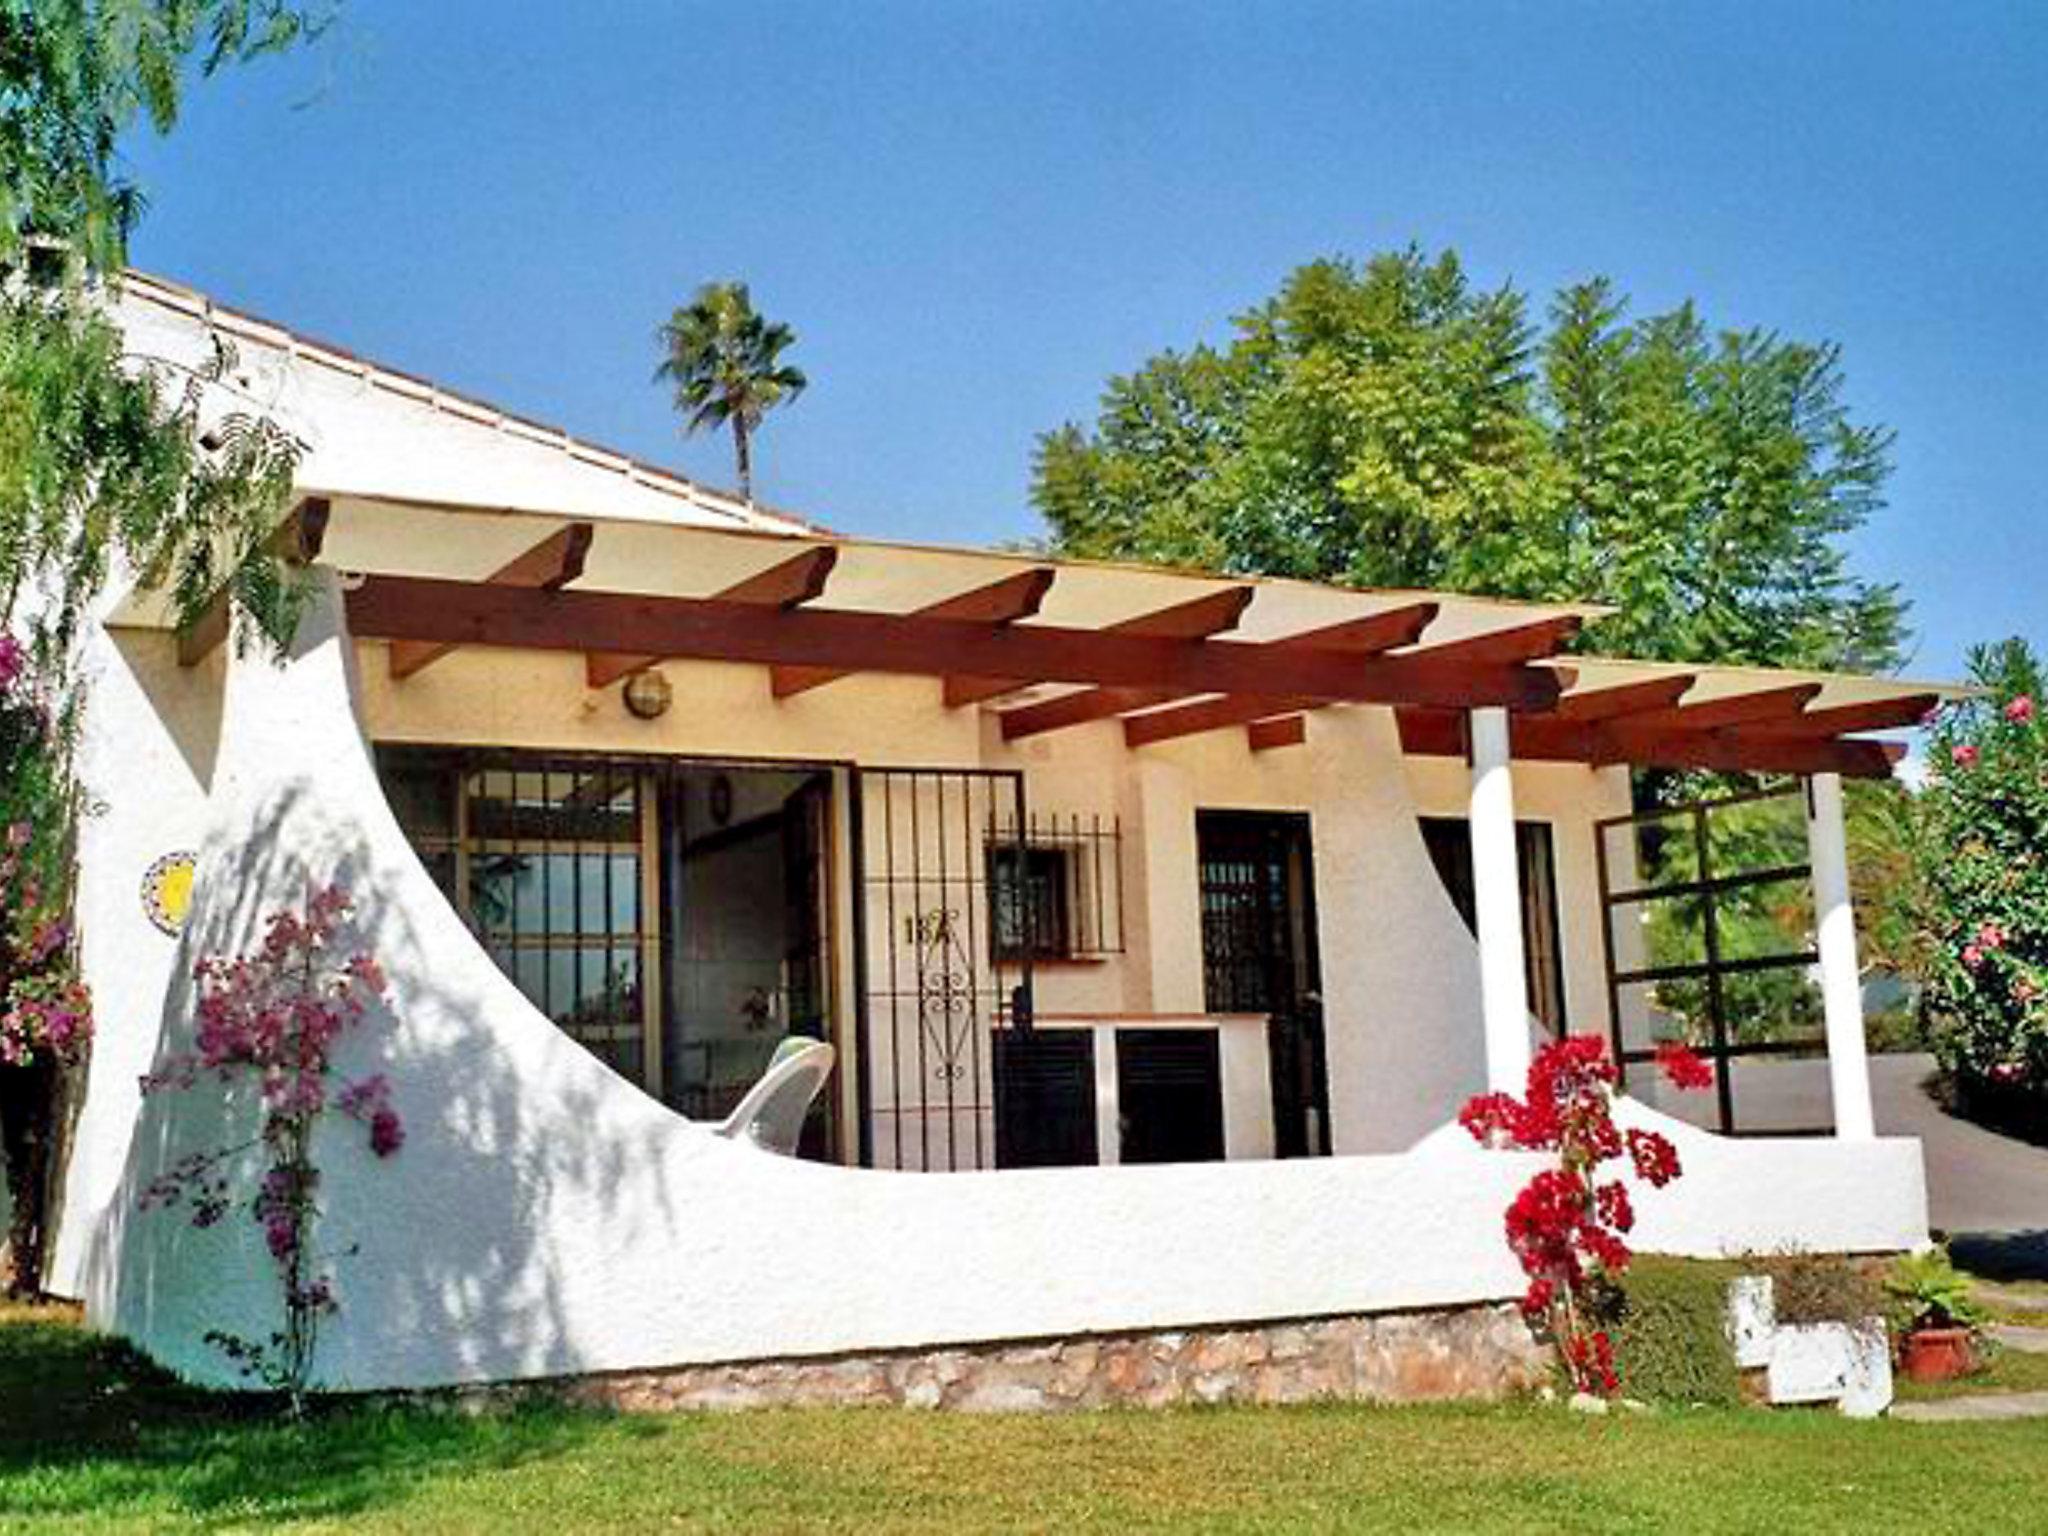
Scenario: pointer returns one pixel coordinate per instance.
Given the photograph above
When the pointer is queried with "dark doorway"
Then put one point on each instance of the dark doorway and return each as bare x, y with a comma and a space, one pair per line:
1259, 956
1449, 841
1045, 1098
1170, 1086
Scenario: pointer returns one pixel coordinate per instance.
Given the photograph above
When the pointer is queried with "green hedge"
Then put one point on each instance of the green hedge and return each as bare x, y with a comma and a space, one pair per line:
1671, 1342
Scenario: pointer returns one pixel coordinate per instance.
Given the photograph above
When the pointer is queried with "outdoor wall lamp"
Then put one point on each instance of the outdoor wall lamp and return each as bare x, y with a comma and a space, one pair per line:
648, 695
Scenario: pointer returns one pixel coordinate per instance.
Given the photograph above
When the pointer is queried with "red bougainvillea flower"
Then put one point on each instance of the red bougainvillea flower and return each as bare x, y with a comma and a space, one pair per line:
2020, 710
1684, 1067
1655, 1160
1565, 1228
1964, 756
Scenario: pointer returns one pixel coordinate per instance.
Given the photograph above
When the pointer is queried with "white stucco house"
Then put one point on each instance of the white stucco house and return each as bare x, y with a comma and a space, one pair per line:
1161, 922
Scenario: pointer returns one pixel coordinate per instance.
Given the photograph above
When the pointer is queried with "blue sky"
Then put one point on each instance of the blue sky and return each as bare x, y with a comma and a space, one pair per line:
974, 212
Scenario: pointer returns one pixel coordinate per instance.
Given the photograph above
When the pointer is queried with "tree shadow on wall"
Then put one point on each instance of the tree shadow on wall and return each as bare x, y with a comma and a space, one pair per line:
457, 1260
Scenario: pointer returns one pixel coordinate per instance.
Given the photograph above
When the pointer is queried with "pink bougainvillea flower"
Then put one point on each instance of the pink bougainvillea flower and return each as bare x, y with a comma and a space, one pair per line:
274, 1018
2020, 710
1991, 936
1973, 956
11, 660
1964, 756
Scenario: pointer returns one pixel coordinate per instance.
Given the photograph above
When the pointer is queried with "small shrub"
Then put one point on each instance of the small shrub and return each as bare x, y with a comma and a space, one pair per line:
1671, 1343
1821, 1288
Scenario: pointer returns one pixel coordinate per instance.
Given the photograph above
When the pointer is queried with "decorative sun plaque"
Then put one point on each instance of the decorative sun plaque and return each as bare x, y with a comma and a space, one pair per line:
167, 891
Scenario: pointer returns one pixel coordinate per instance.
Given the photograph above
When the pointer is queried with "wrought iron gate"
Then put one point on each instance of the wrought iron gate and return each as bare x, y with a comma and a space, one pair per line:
945, 949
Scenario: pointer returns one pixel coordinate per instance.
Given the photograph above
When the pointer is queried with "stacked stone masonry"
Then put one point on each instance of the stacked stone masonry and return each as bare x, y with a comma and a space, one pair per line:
1477, 1352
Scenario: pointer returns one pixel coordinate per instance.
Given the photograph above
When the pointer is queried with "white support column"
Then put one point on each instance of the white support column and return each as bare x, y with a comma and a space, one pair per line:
1497, 898
1841, 978
1109, 1112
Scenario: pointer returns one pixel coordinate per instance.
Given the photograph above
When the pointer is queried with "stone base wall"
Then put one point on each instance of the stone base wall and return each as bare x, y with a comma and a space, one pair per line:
1474, 1352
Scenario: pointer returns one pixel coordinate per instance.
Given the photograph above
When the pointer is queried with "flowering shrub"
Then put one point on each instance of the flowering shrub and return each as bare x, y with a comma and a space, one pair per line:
45, 1010
273, 1018
1984, 895
1566, 1227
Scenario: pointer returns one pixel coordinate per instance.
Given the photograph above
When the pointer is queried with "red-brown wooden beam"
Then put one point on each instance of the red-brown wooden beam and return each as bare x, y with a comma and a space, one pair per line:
549, 566
1842, 719
1208, 715
1284, 731
1000, 602
1711, 715
297, 541
1441, 733
1524, 642
471, 613
1078, 709
787, 584
1626, 699
1369, 636
1197, 619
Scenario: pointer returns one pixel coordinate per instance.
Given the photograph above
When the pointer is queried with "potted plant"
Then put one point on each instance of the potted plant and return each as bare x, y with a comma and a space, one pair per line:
1936, 1314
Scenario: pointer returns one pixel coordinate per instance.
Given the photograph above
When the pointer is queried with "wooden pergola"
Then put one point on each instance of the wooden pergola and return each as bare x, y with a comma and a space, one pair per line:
1050, 645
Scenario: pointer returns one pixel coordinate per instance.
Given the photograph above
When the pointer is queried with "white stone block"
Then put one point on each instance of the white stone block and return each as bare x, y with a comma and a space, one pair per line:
1869, 1392
1832, 1362
1752, 1320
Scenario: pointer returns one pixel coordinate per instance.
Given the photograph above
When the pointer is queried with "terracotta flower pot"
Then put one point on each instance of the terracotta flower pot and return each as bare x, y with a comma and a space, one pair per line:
1938, 1354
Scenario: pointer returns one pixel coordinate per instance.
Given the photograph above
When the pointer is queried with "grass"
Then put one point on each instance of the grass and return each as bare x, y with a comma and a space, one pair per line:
92, 1440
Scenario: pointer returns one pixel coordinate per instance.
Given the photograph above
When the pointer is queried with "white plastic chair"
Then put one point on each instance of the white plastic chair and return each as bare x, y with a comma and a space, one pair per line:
771, 1116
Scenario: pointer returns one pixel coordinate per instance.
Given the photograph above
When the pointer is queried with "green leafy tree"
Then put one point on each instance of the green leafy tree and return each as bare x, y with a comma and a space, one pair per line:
1984, 891
725, 363
76, 75
1389, 424
110, 464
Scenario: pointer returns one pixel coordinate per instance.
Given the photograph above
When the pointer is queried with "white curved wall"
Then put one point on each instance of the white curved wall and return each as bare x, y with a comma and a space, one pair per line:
545, 1217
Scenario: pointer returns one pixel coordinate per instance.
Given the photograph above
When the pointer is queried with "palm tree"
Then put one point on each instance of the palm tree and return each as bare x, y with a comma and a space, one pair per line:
725, 362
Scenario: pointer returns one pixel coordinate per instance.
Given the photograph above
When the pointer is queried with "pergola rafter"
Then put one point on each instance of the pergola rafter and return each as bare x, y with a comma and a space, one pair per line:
786, 584
1373, 635
549, 566
1213, 613
1003, 601
1427, 732
297, 541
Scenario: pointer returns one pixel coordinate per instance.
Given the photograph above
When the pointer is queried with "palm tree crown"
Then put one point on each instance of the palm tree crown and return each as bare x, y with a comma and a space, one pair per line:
724, 360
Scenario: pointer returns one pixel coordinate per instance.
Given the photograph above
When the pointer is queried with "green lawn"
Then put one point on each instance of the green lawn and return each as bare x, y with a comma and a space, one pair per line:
90, 1441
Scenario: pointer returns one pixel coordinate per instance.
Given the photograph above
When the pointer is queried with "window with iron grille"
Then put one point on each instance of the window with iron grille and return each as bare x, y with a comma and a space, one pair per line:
1055, 888
547, 860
